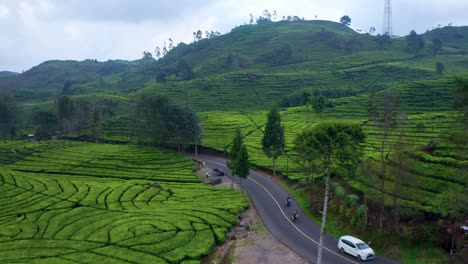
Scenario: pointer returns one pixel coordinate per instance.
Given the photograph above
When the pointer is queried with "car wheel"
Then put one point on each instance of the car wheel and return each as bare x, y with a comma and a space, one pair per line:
360, 258
342, 250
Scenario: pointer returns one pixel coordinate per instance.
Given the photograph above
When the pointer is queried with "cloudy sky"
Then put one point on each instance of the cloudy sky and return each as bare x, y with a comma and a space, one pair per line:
33, 31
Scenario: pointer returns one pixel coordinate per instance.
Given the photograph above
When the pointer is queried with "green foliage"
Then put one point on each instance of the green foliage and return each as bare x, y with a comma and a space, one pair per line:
330, 145
352, 200
340, 192
162, 122
437, 44
461, 96
345, 20
239, 157
384, 41
184, 70
8, 116
277, 56
414, 42
46, 122
361, 212
320, 103
243, 164
273, 139
440, 67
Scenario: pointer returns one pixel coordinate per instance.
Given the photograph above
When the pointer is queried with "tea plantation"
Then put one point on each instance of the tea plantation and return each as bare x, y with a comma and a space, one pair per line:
425, 115
64, 202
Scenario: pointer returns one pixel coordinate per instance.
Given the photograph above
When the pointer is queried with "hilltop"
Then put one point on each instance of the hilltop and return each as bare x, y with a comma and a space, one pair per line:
7, 73
273, 60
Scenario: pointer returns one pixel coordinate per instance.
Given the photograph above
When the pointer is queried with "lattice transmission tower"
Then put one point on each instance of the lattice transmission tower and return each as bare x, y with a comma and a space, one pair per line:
387, 22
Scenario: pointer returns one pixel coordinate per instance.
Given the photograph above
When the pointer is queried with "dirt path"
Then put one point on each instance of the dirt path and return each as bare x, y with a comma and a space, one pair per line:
261, 247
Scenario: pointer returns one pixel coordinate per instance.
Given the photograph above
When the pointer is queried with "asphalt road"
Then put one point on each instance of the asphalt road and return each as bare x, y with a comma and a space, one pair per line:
301, 236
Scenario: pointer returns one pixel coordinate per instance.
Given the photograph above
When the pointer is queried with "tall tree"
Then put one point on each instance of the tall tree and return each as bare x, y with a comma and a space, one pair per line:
385, 118
66, 90
8, 116
400, 173
307, 99
184, 70
147, 55
157, 120
273, 139
239, 157
96, 126
157, 53
243, 163
82, 115
414, 42
320, 103
171, 44
64, 113
440, 67
345, 20
46, 123
233, 154
437, 44
384, 41
331, 146
459, 137
199, 35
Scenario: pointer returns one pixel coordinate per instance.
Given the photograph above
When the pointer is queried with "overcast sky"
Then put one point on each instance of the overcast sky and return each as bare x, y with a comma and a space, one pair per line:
33, 31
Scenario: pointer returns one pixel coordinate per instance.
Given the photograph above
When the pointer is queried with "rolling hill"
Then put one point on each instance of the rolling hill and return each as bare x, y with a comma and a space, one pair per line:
231, 80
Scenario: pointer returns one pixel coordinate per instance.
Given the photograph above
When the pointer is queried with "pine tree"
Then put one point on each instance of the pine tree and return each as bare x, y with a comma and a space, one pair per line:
243, 164
234, 153
273, 139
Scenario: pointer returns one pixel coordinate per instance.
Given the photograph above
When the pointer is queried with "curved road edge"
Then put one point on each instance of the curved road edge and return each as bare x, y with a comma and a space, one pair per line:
300, 236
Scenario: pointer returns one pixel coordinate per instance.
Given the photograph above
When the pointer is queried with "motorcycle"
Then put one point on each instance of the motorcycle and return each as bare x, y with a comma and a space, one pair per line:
295, 216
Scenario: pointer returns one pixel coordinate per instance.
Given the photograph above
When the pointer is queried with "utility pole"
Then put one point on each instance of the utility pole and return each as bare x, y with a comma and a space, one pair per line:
387, 21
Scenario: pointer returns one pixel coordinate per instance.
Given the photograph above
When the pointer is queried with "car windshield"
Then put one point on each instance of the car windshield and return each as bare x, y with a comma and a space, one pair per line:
362, 245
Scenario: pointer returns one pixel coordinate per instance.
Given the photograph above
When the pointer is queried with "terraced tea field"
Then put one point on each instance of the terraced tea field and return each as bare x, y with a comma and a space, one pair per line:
65, 202
426, 114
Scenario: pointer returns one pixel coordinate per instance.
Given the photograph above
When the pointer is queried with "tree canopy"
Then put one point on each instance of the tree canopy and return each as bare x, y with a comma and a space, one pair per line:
414, 42
158, 120
345, 20
330, 146
8, 116
273, 139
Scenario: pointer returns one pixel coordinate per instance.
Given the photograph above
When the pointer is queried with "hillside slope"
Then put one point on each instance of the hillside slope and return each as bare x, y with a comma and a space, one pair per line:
253, 66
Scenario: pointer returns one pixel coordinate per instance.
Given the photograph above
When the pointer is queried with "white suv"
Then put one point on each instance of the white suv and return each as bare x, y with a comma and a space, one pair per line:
355, 247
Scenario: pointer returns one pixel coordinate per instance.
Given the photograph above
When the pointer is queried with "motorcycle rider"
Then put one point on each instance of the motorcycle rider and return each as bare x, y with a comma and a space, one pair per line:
295, 215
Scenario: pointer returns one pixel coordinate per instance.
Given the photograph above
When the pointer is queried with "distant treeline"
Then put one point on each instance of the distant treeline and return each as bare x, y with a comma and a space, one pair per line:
153, 119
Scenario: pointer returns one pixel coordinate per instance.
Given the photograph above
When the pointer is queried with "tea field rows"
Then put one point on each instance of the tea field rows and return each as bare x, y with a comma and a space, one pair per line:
425, 114
88, 203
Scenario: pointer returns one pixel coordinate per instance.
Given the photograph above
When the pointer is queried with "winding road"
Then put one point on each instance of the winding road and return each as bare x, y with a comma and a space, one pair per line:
301, 236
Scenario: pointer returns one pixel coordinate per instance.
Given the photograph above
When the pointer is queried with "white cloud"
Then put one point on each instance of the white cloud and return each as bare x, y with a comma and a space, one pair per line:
4, 11
37, 30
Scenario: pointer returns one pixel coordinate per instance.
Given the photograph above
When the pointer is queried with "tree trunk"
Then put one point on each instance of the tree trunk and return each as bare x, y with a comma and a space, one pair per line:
365, 213
452, 246
274, 166
382, 183
396, 194
196, 150
324, 219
